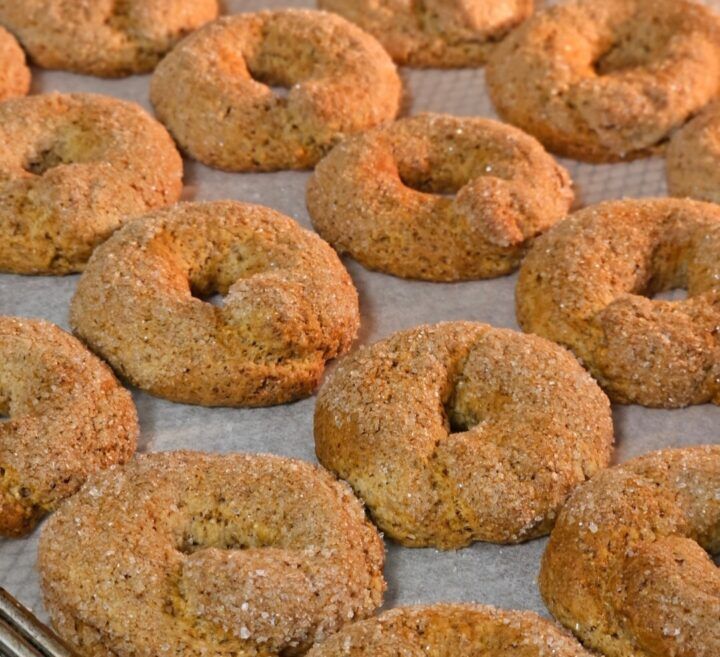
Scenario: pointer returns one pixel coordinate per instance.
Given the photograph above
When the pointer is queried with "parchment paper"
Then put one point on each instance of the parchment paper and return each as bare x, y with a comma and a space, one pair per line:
503, 576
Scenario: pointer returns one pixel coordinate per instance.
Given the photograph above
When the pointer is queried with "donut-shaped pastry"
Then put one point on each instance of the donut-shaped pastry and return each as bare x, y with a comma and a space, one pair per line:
588, 284
693, 158
378, 196
451, 629
213, 91
461, 432
195, 554
66, 417
14, 73
290, 305
435, 33
607, 80
626, 567
74, 167
110, 38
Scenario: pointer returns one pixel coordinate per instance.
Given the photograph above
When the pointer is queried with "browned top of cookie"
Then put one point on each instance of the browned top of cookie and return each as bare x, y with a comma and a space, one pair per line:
435, 33
289, 305
190, 554
605, 80
378, 196
14, 73
73, 167
213, 92
451, 629
67, 417
626, 567
588, 283
103, 37
693, 158
461, 432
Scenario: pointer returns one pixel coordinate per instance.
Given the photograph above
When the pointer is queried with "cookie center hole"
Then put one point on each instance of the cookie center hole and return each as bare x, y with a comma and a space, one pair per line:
632, 48
280, 91
4, 407
675, 294
43, 161
459, 417
668, 274
213, 297
222, 528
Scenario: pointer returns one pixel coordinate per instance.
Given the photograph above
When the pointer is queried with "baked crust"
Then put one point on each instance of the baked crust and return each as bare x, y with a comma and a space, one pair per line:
290, 305
213, 93
108, 38
607, 80
588, 284
435, 33
67, 418
378, 197
196, 554
461, 432
626, 567
73, 168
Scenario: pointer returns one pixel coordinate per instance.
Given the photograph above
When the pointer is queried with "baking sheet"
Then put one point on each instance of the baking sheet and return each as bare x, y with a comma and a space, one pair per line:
503, 576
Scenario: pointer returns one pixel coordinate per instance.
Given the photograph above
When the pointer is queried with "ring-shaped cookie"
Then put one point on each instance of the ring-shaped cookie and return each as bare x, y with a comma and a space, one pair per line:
589, 282
693, 158
193, 554
607, 80
379, 197
14, 73
110, 38
435, 33
290, 305
461, 432
461, 630
67, 418
74, 167
213, 93
626, 567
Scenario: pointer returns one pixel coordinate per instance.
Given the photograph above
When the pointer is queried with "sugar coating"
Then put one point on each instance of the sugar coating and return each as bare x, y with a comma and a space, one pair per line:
588, 282
213, 93
73, 168
435, 33
461, 432
607, 80
626, 567
451, 629
14, 73
289, 307
693, 157
67, 418
109, 38
187, 554
377, 197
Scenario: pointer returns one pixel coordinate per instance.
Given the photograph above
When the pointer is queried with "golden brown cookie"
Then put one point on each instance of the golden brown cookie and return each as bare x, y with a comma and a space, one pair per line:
435, 33
461, 432
213, 90
626, 567
589, 283
67, 417
74, 167
379, 197
109, 38
195, 554
14, 73
607, 80
290, 306
460, 630
693, 158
